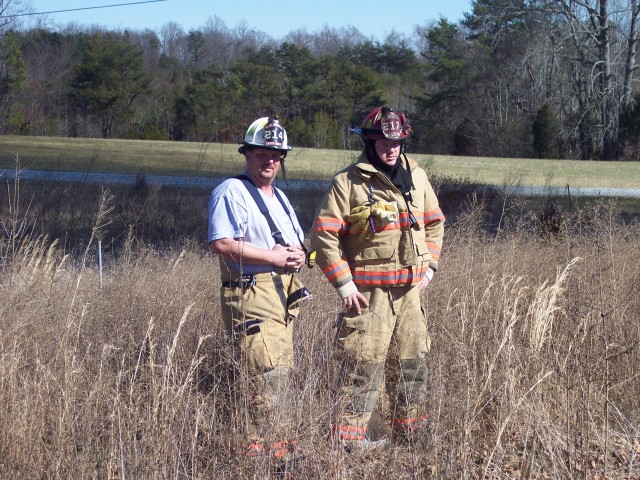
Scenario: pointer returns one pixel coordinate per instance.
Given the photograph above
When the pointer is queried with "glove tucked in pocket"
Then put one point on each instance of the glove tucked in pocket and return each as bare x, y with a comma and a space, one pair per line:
365, 219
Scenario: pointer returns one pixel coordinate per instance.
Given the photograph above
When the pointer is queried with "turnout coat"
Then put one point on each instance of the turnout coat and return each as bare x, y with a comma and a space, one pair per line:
395, 252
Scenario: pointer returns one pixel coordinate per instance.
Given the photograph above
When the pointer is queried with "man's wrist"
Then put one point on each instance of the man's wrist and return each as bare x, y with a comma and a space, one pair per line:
347, 289
429, 273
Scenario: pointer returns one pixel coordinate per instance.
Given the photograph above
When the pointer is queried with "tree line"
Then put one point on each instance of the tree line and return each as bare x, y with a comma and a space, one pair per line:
513, 78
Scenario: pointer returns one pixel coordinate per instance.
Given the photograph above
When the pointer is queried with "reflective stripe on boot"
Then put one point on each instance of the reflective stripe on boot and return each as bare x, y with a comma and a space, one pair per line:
352, 438
250, 449
350, 433
408, 425
287, 448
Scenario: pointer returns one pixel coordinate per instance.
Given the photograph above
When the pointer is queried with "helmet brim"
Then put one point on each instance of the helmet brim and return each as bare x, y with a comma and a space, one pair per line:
375, 134
288, 148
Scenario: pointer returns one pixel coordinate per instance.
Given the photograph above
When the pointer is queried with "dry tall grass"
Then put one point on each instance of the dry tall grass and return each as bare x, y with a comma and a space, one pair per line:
534, 363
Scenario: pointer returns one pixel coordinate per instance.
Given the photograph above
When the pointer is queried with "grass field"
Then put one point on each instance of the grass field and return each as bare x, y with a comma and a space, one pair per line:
534, 316
208, 159
533, 373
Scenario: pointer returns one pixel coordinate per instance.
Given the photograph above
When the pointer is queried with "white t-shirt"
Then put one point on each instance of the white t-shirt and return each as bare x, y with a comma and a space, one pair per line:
233, 213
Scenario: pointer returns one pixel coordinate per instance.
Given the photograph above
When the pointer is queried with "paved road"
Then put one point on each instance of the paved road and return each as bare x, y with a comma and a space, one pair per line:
211, 182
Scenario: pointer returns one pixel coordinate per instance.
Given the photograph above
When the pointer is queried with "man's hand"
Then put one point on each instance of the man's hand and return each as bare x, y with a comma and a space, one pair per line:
355, 301
297, 256
287, 257
426, 280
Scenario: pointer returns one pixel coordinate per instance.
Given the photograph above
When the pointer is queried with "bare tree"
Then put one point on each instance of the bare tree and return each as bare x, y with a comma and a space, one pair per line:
601, 37
172, 41
11, 11
630, 68
218, 41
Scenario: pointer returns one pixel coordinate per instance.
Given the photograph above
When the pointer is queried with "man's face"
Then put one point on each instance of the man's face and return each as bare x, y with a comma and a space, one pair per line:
388, 151
262, 164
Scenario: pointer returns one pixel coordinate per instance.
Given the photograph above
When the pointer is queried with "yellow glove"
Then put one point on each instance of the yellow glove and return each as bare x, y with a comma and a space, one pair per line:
359, 220
383, 213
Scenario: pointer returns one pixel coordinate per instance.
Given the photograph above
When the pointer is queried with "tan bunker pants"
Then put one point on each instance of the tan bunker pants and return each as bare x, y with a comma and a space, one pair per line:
389, 337
258, 312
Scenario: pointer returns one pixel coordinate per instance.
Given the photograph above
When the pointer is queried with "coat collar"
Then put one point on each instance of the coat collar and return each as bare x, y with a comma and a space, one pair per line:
363, 164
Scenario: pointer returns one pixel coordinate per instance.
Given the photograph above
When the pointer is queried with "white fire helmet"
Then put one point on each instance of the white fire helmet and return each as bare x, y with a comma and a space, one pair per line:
266, 132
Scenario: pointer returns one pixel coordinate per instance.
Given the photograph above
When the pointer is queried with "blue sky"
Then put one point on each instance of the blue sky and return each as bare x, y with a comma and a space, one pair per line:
374, 18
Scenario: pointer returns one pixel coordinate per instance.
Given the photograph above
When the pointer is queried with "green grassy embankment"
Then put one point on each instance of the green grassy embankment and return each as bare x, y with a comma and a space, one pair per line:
215, 159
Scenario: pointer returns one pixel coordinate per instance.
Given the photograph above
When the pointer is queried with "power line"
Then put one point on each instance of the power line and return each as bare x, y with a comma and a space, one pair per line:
82, 8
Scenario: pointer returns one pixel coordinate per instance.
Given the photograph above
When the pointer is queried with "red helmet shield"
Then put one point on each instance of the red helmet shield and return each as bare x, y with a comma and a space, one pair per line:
391, 125
383, 123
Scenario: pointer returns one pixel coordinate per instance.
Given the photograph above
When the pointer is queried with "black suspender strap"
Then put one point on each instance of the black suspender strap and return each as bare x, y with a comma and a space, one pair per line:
277, 235
253, 190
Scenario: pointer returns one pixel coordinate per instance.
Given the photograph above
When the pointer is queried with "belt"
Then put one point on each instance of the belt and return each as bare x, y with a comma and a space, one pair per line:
248, 281
284, 271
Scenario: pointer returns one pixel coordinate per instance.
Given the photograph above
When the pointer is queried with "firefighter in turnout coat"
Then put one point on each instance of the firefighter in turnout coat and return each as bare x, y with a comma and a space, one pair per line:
378, 236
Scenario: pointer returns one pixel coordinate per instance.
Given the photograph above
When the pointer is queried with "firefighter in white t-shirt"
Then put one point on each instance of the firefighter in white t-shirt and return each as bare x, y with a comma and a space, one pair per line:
260, 254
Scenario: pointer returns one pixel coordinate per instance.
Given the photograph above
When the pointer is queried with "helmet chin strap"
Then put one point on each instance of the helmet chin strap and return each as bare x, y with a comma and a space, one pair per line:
407, 167
284, 170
